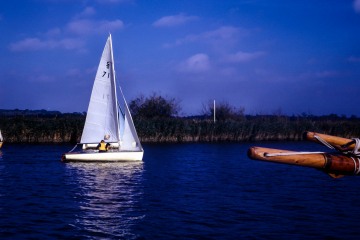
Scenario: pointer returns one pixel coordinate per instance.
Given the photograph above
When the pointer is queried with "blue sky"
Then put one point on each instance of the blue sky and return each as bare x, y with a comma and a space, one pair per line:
292, 57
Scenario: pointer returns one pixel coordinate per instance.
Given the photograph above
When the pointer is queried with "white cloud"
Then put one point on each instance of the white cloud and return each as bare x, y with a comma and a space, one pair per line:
327, 74
56, 38
53, 32
243, 57
113, 1
42, 78
225, 32
33, 44
85, 26
356, 5
353, 59
224, 35
69, 43
197, 63
175, 20
88, 11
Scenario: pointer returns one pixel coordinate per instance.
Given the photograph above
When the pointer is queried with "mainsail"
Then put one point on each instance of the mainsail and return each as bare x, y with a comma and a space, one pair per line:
1, 137
104, 120
102, 116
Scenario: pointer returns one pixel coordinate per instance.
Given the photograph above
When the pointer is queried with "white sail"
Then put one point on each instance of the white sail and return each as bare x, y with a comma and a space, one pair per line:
1, 137
130, 140
102, 116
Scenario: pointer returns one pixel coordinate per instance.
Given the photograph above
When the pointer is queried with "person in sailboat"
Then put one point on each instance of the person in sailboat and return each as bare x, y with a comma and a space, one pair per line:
103, 147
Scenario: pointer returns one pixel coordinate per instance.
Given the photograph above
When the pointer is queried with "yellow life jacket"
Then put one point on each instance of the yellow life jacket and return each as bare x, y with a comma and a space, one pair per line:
102, 146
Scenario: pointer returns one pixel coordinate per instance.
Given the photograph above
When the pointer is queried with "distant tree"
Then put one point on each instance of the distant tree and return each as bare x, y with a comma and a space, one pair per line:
223, 111
154, 106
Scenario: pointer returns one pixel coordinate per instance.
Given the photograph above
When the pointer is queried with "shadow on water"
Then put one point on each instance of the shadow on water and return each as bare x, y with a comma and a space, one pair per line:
108, 198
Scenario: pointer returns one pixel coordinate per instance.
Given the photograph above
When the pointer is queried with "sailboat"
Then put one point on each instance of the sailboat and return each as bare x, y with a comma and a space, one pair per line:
1, 140
107, 119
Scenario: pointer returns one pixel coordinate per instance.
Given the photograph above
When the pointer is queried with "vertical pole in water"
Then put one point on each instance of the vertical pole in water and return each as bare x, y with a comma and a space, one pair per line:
214, 112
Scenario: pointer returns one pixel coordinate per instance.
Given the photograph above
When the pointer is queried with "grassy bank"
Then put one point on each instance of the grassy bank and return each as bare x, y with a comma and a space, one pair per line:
55, 127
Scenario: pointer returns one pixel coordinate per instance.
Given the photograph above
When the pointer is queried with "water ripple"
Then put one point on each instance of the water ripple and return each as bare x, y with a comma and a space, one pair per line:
109, 193
180, 191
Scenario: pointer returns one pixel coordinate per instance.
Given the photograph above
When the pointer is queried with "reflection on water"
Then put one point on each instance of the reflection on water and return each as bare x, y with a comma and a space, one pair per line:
180, 191
1, 171
108, 197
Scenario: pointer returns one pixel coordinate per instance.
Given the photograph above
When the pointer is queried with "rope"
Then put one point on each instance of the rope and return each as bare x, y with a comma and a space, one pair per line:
289, 154
324, 142
356, 165
73, 148
302, 153
356, 150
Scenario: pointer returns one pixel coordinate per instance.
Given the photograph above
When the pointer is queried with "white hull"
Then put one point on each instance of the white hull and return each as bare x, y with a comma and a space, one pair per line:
95, 156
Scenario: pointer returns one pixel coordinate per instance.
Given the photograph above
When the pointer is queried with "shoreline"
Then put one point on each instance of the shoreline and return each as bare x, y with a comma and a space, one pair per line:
67, 128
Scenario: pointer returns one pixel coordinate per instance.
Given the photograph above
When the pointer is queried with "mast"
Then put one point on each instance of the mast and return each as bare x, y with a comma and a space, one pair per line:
114, 88
214, 112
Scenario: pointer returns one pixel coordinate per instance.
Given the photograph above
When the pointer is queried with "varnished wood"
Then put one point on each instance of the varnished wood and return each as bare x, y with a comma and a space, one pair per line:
309, 160
339, 143
334, 164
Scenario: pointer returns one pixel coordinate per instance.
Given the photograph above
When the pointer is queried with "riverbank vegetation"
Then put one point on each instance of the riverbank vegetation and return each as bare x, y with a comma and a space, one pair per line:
156, 119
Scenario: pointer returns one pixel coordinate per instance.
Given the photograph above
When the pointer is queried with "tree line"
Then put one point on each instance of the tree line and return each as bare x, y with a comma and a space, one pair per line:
157, 120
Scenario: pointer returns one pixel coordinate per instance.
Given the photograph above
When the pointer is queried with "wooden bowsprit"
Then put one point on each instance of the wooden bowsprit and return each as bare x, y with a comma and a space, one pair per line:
337, 164
338, 143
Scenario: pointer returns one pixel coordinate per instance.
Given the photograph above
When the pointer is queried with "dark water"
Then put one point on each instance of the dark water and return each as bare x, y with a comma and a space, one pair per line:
180, 191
